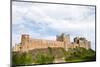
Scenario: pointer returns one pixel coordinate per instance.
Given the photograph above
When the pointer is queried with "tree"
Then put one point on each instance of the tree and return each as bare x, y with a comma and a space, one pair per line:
22, 58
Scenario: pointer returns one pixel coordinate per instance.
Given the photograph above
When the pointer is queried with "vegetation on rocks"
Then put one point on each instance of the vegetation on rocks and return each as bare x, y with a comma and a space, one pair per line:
80, 54
46, 56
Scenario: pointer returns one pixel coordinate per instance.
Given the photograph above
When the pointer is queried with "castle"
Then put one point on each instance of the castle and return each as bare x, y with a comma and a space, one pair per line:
63, 41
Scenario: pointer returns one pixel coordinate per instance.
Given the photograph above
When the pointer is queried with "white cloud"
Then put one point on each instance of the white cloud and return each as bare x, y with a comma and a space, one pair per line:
76, 20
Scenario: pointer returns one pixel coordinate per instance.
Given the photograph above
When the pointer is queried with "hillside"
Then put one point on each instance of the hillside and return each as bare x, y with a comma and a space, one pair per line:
54, 55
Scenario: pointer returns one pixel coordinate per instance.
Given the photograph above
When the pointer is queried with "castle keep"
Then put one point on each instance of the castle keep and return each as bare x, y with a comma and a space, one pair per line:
63, 41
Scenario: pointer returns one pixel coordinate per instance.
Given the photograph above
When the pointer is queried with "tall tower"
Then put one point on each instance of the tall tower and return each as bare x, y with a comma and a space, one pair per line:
25, 39
64, 38
24, 43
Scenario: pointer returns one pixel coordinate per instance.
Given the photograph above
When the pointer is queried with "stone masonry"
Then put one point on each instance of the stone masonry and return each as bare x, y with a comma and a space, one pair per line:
63, 41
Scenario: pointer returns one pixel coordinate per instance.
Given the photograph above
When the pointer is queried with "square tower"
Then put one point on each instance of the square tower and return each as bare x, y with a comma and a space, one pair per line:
24, 39
64, 38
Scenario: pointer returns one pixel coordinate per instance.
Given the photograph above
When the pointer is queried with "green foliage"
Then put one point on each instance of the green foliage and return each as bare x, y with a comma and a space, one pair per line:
80, 54
43, 58
22, 58
48, 55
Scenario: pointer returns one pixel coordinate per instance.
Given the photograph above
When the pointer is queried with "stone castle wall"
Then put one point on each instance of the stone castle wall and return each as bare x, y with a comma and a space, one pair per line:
62, 41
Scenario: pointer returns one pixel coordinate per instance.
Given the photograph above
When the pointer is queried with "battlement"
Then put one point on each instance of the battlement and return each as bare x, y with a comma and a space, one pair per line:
82, 42
62, 41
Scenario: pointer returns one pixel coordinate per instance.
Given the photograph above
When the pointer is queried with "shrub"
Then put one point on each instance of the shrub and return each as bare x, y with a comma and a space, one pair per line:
22, 58
43, 58
80, 54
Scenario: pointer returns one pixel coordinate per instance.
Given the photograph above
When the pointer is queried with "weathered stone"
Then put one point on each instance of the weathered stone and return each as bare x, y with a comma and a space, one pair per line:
62, 41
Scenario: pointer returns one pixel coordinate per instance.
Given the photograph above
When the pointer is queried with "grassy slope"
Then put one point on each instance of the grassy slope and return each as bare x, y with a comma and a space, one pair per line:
73, 55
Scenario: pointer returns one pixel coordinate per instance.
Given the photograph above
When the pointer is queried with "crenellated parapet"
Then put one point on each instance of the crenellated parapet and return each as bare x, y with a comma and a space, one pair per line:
82, 42
63, 41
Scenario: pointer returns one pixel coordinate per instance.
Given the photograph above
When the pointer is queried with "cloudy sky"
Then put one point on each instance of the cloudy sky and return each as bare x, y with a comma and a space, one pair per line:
45, 21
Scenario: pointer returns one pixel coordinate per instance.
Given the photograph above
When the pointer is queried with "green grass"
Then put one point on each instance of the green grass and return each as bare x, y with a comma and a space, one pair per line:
45, 56
75, 60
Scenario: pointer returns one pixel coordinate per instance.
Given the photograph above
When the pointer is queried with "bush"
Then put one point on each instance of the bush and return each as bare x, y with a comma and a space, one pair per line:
43, 58
80, 54
22, 58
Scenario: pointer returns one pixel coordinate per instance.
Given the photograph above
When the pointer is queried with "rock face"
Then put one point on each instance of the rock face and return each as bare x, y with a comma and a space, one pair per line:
63, 41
